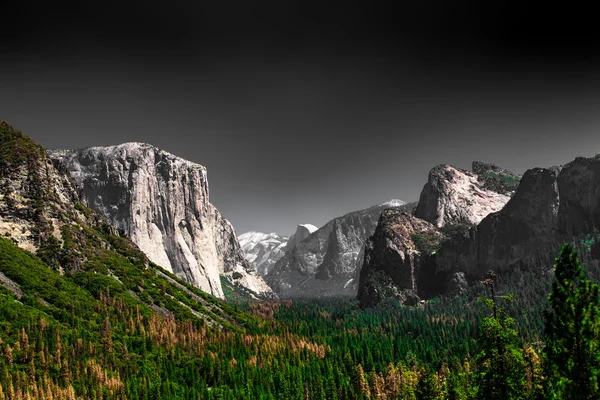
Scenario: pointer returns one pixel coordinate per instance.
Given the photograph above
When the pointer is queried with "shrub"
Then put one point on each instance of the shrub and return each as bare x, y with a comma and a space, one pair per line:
427, 242
237, 275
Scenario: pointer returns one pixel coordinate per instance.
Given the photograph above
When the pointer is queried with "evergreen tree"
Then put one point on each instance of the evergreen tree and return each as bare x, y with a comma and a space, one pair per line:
361, 385
573, 332
427, 388
501, 365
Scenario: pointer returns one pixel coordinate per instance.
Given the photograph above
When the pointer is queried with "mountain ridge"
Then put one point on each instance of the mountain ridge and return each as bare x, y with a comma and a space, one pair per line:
307, 271
548, 207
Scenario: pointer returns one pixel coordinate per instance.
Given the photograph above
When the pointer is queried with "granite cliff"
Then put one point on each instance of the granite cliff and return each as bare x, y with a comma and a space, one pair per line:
162, 203
453, 195
393, 260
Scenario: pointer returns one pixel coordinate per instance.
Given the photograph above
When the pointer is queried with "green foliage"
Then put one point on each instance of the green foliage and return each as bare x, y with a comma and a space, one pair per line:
573, 331
588, 241
427, 242
499, 181
139, 325
17, 149
500, 363
83, 209
501, 366
237, 275
50, 252
451, 230
504, 179
427, 388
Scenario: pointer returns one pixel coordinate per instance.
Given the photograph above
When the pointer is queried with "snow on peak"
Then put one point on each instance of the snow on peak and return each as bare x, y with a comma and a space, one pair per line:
310, 227
262, 249
393, 203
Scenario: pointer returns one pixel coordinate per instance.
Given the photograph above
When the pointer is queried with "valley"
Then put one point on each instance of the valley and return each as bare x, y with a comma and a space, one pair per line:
119, 279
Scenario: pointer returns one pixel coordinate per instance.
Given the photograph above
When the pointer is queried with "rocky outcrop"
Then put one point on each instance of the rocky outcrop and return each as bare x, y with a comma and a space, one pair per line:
327, 263
392, 260
162, 203
452, 195
523, 233
36, 199
263, 250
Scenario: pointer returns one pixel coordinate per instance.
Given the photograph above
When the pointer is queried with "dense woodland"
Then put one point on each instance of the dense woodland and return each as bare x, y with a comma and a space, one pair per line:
77, 336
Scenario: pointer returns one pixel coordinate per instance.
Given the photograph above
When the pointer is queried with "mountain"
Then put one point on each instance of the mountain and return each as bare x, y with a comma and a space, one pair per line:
549, 207
328, 261
162, 203
262, 250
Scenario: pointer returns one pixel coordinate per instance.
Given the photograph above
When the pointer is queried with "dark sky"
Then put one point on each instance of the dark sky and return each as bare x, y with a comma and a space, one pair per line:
305, 111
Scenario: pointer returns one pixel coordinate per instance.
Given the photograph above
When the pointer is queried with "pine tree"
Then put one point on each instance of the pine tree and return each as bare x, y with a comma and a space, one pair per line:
106, 335
427, 388
361, 385
573, 332
501, 365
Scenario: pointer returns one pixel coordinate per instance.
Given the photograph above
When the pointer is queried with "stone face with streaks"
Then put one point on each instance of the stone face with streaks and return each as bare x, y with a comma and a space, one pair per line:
392, 260
162, 203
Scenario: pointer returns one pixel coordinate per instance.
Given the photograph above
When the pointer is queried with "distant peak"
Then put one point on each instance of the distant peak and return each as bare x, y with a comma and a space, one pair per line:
309, 227
393, 203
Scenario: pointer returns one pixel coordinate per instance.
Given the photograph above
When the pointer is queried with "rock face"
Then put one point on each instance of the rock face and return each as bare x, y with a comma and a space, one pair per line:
452, 195
579, 186
327, 262
522, 233
302, 232
162, 203
525, 233
392, 261
263, 250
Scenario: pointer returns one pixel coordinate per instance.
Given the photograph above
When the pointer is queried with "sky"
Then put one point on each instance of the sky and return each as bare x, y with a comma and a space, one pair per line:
304, 111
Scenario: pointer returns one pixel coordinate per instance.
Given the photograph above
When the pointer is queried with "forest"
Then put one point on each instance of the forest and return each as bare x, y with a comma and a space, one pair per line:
511, 337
